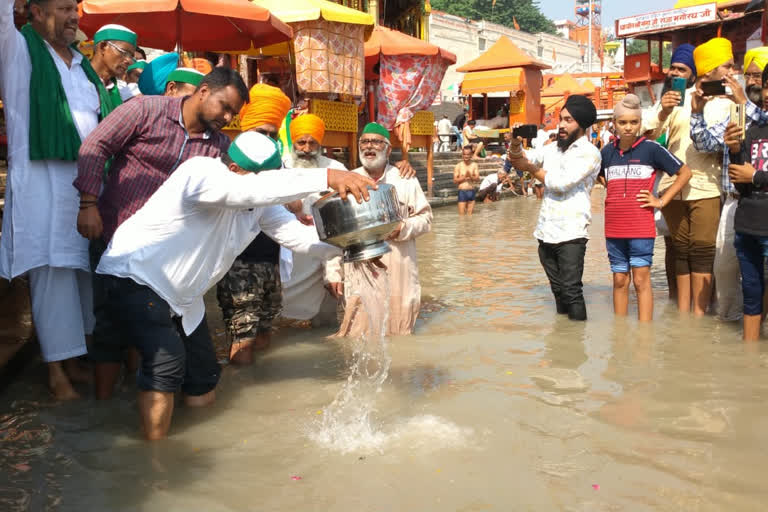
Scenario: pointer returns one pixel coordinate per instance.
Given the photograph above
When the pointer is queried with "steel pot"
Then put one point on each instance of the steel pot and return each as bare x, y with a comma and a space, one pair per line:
360, 230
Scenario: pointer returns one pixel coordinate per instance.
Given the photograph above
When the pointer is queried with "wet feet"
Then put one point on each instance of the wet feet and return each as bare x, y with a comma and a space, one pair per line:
59, 384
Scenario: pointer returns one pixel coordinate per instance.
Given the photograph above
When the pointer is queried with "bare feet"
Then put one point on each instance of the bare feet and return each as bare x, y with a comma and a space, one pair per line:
59, 383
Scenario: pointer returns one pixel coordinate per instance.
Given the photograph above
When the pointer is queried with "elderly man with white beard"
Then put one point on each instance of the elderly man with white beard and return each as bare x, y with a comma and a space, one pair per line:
304, 295
401, 263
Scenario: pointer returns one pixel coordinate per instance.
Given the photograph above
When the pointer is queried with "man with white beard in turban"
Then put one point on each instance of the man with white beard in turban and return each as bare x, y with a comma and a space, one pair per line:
401, 263
304, 295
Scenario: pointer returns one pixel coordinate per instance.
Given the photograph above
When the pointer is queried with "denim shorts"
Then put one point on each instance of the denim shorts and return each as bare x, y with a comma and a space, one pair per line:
626, 253
466, 196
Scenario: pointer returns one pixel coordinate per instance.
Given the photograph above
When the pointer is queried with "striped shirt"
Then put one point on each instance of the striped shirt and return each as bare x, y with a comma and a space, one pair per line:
626, 174
148, 140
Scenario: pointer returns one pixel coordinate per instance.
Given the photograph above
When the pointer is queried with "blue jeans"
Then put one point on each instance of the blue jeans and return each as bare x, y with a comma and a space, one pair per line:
626, 253
457, 133
752, 251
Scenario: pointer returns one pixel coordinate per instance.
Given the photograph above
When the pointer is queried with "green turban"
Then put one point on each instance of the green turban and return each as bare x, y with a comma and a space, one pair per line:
115, 33
377, 129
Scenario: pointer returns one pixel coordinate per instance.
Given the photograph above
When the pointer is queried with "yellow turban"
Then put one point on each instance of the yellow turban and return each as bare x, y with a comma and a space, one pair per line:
757, 55
308, 124
715, 52
267, 105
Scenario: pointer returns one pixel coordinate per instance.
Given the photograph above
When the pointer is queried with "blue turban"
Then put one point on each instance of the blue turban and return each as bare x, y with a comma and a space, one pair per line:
152, 81
683, 54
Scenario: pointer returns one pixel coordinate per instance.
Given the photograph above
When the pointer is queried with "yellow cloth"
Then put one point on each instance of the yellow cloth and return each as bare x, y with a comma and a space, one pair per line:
757, 55
267, 105
708, 56
308, 124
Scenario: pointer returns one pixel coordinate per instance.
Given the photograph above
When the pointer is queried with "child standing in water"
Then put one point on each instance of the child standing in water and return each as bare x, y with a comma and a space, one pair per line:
465, 175
628, 171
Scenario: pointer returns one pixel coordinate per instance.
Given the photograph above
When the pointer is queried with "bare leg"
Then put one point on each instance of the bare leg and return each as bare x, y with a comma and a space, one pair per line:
262, 341
106, 375
59, 383
642, 278
478, 149
156, 411
462, 208
683, 292
77, 371
241, 351
751, 327
470, 207
701, 291
201, 400
539, 192
132, 360
620, 293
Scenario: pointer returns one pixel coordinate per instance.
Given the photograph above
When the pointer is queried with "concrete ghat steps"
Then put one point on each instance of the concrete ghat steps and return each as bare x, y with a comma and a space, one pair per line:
442, 166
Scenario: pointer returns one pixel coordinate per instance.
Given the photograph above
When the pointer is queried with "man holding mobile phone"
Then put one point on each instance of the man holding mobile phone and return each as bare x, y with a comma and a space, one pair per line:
670, 117
709, 133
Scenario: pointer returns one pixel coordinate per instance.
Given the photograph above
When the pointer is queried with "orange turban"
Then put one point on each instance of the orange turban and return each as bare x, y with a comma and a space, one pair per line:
308, 124
267, 105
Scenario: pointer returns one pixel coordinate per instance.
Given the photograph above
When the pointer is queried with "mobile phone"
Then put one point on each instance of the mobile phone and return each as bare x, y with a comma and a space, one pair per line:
526, 131
738, 117
713, 88
680, 84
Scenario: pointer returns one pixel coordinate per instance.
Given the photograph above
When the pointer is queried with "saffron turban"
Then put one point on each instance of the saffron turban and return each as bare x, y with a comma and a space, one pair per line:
757, 55
308, 124
715, 52
267, 105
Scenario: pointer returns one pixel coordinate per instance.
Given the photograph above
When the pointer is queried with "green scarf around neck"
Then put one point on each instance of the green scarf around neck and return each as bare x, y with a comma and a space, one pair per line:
52, 131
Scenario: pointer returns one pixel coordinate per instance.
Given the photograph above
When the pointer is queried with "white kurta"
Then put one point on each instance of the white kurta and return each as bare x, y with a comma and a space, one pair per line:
402, 262
186, 237
41, 205
304, 291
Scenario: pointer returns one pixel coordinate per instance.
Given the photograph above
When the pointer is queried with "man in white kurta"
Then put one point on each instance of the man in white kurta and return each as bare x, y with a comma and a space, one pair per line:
402, 263
304, 294
164, 258
39, 234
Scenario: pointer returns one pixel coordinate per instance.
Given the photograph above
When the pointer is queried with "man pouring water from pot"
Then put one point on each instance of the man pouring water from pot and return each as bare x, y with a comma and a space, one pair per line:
163, 259
401, 263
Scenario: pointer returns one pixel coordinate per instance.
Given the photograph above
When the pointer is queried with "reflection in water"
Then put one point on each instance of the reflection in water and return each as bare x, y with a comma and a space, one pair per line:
495, 403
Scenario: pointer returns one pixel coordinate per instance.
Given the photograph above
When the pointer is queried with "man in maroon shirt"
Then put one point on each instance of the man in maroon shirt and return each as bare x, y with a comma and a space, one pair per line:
145, 140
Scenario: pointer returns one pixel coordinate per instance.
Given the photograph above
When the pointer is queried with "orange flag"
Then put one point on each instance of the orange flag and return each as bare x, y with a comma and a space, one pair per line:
514, 22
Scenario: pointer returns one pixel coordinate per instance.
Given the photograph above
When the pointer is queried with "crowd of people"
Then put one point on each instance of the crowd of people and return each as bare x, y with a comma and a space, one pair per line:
126, 203
683, 168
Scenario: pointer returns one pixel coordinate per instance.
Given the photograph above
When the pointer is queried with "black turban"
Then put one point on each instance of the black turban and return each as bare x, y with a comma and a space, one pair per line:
582, 110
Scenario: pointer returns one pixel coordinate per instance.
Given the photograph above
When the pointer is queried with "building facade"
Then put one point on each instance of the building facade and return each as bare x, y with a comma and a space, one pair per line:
468, 39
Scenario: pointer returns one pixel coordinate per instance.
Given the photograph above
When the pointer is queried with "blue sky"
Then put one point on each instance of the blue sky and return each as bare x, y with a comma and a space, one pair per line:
612, 9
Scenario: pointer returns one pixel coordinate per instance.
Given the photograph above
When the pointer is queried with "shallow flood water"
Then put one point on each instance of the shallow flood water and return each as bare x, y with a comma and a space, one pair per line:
495, 404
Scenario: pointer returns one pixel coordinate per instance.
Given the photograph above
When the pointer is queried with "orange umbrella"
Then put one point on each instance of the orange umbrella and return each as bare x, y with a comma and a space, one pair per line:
386, 41
193, 25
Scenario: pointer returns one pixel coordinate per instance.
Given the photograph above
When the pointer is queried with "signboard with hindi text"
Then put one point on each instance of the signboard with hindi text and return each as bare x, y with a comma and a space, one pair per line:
666, 20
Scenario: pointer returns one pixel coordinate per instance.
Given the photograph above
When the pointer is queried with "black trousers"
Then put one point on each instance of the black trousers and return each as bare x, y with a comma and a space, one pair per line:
564, 266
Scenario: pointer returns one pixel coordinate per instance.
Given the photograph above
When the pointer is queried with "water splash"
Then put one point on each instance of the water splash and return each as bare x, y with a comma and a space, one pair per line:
347, 424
